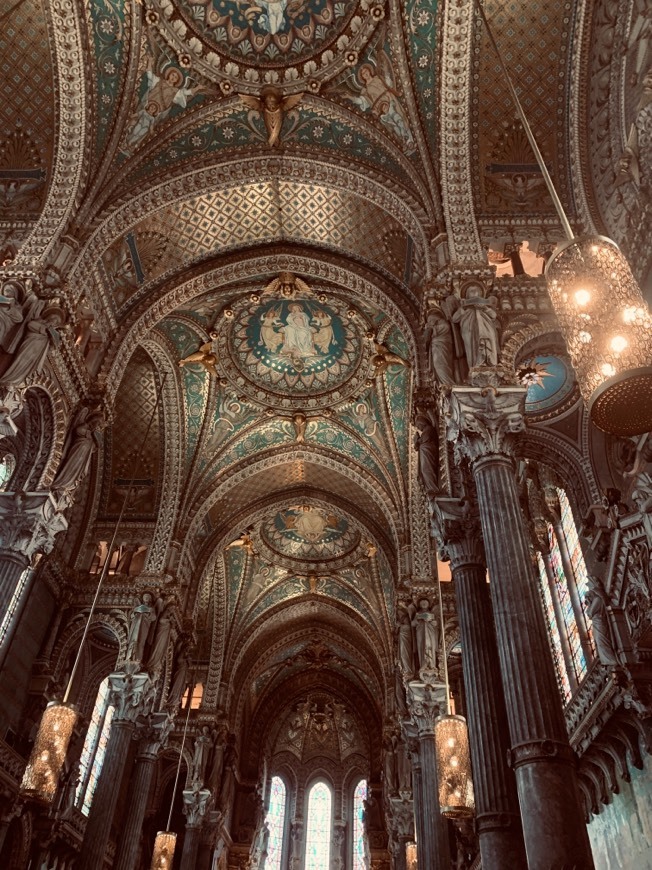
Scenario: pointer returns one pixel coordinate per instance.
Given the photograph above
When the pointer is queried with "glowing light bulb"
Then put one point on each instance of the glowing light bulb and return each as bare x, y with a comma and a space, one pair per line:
619, 343
632, 313
582, 297
608, 370
451, 741
454, 761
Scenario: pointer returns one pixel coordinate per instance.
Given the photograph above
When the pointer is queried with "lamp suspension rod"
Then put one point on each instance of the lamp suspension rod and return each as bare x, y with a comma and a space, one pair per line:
443, 646
116, 529
559, 208
183, 743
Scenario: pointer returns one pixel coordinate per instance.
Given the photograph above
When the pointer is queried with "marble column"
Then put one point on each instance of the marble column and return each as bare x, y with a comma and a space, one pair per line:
153, 736
484, 423
29, 523
424, 701
195, 804
498, 822
131, 694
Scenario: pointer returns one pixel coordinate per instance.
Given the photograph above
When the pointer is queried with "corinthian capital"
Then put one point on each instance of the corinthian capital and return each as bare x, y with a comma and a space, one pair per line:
29, 522
425, 700
131, 694
456, 528
195, 804
483, 421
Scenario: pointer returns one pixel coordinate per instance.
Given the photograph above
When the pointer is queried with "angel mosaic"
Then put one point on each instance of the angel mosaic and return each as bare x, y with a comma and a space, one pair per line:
373, 89
166, 87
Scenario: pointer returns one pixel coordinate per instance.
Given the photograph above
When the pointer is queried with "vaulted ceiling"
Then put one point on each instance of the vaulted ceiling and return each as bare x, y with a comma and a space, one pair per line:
207, 149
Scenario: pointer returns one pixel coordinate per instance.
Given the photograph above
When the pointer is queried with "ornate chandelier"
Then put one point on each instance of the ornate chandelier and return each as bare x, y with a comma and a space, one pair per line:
603, 317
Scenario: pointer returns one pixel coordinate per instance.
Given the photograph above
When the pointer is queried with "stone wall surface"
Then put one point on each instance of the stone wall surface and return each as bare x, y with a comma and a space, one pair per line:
621, 836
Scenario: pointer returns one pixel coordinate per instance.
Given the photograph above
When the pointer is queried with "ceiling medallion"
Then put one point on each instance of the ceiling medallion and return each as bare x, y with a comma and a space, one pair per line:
305, 352
309, 532
258, 42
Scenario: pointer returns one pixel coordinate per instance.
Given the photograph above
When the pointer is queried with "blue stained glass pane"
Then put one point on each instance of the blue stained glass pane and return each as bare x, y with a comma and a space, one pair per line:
577, 560
276, 823
553, 631
7, 466
359, 797
318, 833
92, 756
568, 615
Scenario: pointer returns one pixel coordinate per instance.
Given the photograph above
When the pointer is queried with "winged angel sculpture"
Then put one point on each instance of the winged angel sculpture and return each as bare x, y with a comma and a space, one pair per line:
272, 105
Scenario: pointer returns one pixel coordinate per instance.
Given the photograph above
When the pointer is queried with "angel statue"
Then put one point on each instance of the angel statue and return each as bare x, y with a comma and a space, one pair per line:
272, 106
374, 89
204, 356
383, 358
286, 285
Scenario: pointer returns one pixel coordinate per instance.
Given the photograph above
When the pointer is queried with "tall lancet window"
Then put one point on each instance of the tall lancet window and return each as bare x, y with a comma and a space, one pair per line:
319, 827
276, 823
359, 846
92, 757
564, 584
7, 468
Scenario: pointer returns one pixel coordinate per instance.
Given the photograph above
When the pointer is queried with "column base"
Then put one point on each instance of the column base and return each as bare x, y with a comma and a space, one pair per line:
501, 841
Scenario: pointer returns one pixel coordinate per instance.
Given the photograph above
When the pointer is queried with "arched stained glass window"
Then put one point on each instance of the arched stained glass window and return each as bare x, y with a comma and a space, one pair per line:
359, 846
276, 823
564, 584
319, 827
92, 757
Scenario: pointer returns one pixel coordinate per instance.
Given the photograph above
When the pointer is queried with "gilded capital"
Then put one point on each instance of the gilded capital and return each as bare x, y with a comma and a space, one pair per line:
484, 421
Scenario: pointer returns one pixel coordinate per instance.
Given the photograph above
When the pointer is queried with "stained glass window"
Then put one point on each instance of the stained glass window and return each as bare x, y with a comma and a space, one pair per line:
7, 466
276, 822
359, 797
92, 757
562, 590
319, 827
553, 632
15, 602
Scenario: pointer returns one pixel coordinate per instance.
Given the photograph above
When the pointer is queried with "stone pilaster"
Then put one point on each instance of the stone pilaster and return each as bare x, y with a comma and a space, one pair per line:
425, 701
402, 818
483, 423
29, 523
296, 844
412, 740
195, 804
152, 738
131, 694
498, 822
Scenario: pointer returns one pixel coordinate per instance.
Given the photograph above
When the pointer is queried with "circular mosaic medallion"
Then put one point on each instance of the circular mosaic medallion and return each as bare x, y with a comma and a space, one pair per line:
275, 31
309, 532
295, 43
549, 380
297, 352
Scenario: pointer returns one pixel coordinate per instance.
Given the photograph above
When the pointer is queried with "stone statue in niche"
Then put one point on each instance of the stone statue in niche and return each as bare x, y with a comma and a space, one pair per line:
405, 647
390, 774
202, 751
404, 768
426, 442
39, 332
161, 639
81, 443
181, 678
443, 344
596, 600
476, 316
217, 761
426, 629
142, 625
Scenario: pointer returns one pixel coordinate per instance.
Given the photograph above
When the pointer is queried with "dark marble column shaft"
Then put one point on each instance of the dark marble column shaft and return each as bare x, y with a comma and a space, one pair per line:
498, 821
12, 565
100, 819
190, 852
417, 788
139, 789
434, 851
131, 694
484, 423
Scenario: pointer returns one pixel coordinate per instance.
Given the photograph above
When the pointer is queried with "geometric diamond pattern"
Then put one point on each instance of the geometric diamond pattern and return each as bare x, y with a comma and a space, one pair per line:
271, 211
